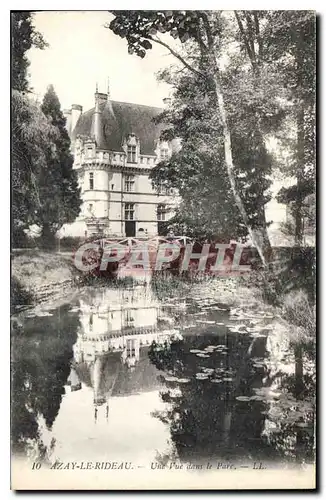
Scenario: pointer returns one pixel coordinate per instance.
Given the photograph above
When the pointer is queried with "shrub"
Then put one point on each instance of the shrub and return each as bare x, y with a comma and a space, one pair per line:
18, 295
298, 310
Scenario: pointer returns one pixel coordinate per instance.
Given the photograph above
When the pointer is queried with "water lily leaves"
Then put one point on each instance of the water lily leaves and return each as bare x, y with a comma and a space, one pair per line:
209, 349
169, 378
242, 398
200, 355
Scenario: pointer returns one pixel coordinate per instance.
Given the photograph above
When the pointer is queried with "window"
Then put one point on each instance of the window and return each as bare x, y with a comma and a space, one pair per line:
90, 208
128, 317
131, 154
164, 153
131, 348
112, 187
129, 183
129, 211
91, 180
161, 211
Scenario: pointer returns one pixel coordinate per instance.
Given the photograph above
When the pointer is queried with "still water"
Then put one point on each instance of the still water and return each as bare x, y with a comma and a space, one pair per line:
119, 375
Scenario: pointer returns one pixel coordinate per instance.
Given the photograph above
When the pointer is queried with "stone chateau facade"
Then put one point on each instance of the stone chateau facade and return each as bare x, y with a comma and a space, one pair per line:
115, 146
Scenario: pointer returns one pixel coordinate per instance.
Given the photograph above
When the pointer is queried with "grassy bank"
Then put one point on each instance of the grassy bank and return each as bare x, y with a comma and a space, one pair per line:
37, 275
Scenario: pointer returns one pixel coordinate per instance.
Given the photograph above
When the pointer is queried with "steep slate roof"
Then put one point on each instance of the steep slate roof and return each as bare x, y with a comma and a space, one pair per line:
120, 120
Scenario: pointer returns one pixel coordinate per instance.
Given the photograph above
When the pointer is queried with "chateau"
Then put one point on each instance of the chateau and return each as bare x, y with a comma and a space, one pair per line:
115, 146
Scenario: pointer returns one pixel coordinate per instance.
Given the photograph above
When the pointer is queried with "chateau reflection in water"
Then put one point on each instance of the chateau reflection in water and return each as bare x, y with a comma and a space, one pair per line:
89, 382
117, 326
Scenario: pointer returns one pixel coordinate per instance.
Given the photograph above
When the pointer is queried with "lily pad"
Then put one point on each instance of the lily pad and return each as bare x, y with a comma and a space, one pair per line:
171, 379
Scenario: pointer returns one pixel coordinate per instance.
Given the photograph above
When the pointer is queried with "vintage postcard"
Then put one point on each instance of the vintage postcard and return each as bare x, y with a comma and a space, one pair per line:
163, 301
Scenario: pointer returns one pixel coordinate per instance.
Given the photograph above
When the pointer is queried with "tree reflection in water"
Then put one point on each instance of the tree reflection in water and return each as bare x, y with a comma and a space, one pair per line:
223, 401
41, 356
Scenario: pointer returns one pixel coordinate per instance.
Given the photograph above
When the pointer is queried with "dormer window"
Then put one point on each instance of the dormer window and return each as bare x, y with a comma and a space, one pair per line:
131, 154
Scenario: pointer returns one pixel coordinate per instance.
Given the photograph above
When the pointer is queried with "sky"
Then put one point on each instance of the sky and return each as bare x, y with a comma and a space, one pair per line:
82, 52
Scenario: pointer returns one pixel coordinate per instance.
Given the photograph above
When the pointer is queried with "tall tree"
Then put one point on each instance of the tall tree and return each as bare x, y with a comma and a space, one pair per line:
197, 169
32, 135
285, 42
292, 39
58, 186
141, 29
23, 37
31, 132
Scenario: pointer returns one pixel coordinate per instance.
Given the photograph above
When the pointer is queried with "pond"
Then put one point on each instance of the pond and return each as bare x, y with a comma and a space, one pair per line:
120, 375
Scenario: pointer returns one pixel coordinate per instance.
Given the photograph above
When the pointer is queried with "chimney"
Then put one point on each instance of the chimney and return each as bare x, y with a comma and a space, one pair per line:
76, 111
97, 125
67, 115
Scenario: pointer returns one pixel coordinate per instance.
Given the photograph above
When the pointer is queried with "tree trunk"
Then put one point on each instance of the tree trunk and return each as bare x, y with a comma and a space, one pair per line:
47, 236
298, 211
300, 156
258, 236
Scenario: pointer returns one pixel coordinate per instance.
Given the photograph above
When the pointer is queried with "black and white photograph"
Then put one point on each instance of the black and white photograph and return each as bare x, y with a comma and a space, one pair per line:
163, 250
